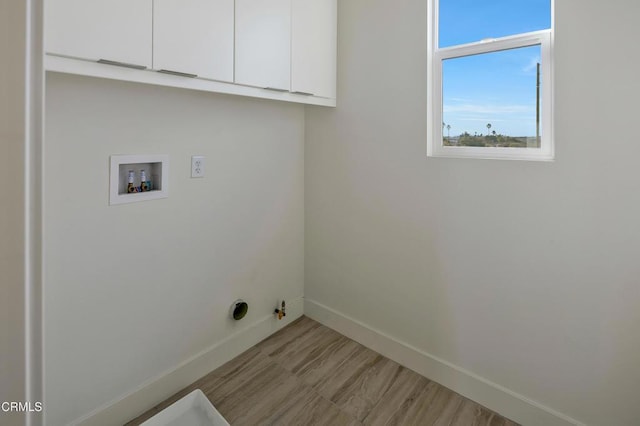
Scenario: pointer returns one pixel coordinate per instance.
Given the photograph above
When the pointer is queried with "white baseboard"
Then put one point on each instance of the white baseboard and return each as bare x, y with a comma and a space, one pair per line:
493, 396
156, 390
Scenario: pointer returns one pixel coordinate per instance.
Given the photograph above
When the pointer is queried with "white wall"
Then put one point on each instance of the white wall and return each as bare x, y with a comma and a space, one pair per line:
12, 208
523, 273
133, 290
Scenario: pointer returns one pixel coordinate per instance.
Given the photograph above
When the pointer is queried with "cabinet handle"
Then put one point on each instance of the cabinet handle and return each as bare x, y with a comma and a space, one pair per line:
121, 64
303, 93
178, 73
275, 89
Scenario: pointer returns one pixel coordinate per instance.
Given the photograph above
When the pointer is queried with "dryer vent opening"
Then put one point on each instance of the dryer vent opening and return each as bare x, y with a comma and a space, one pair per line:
239, 309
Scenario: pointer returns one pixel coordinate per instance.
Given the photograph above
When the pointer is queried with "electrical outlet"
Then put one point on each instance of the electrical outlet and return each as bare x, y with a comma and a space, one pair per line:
197, 166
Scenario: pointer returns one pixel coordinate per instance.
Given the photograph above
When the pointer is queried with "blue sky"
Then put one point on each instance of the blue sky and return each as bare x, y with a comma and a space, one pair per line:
497, 88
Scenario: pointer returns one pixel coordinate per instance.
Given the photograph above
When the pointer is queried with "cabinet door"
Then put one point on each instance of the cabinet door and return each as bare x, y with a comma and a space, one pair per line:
113, 30
194, 37
263, 43
313, 47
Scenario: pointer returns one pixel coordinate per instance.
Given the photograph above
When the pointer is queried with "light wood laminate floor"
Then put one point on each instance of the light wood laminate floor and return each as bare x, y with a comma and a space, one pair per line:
308, 374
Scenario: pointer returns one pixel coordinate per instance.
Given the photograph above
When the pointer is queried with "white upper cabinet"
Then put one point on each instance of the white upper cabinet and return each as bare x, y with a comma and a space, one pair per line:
111, 30
263, 43
313, 47
194, 37
231, 46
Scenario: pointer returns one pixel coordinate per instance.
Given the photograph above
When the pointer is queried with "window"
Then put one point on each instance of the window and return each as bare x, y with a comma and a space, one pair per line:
489, 83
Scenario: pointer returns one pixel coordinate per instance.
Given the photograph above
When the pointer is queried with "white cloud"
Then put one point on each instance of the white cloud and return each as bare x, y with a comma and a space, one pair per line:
487, 109
531, 66
460, 99
483, 119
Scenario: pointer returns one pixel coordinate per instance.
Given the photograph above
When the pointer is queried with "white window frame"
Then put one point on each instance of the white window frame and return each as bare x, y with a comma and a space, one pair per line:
435, 58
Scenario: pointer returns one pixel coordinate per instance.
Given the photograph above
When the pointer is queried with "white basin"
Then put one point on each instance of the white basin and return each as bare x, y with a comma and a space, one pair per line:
192, 410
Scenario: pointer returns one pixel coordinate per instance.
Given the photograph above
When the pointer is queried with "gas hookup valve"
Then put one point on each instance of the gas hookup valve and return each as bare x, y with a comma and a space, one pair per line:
280, 312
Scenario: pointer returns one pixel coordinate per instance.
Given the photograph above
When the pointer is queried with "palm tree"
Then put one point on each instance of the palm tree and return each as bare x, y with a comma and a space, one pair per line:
488, 128
449, 132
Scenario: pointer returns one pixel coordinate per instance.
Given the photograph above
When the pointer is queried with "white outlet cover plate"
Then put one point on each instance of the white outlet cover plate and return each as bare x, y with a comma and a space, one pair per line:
197, 166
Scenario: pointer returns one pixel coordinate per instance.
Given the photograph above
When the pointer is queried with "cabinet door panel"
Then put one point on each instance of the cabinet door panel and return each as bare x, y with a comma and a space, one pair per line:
194, 37
263, 43
115, 30
313, 47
